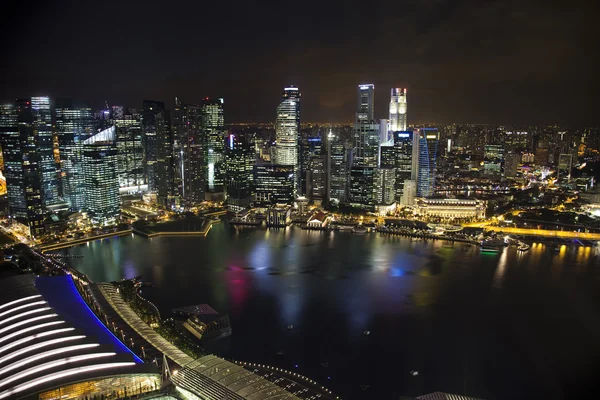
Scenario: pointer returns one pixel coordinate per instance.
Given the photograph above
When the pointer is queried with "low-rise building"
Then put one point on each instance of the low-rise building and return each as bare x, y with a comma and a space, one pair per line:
318, 220
279, 216
450, 208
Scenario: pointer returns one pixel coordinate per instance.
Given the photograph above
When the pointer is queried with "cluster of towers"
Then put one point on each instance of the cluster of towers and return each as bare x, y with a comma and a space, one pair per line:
385, 163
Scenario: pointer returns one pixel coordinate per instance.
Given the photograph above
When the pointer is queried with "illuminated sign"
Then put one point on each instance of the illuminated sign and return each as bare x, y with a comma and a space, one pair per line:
290, 88
403, 134
365, 87
431, 136
231, 141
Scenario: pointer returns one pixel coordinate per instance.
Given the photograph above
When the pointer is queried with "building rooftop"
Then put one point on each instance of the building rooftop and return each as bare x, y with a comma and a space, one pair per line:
49, 338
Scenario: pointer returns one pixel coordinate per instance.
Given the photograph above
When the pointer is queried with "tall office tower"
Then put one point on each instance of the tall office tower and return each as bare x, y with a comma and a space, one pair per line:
428, 144
511, 164
158, 143
304, 153
398, 121
74, 124
362, 186
406, 146
240, 156
189, 145
287, 130
385, 186
130, 147
339, 158
214, 135
493, 157
273, 184
384, 131
101, 180
366, 102
317, 177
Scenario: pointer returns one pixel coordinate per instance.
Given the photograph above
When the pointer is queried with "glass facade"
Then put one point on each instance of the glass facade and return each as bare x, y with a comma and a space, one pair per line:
100, 162
428, 145
240, 156
287, 130
74, 124
273, 184
214, 135
405, 148
130, 147
13, 161
362, 186
158, 144
189, 154
114, 387
338, 169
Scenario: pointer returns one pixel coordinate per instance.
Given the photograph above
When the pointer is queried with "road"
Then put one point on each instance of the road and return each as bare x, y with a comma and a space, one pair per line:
545, 233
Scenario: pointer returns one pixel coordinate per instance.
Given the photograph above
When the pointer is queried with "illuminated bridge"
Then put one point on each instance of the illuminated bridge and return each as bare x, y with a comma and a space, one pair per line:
53, 346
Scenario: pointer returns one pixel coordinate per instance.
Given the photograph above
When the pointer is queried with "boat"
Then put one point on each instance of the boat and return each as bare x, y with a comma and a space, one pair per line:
359, 230
523, 247
492, 245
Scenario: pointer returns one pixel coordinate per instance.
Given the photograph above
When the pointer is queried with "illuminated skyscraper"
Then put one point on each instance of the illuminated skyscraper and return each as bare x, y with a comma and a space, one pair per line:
339, 158
213, 132
240, 156
273, 184
398, 121
74, 124
189, 154
101, 181
159, 150
428, 145
287, 129
406, 146
366, 102
131, 166
10, 139
493, 158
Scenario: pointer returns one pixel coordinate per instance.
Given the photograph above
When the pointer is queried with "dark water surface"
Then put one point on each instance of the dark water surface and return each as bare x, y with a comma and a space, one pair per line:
499, 326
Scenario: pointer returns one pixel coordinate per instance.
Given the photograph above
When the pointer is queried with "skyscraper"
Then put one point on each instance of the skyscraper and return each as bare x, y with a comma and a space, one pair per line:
131, 166
213, 132
158, 139
493, 158
398, 108
239, 166
339, 158
366, 102
428, 144
74, 124
287, 129
189, 153
101, 181
273, 184
406, 146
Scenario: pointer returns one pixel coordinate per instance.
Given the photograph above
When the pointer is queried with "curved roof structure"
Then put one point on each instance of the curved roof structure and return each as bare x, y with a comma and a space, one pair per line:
49, 338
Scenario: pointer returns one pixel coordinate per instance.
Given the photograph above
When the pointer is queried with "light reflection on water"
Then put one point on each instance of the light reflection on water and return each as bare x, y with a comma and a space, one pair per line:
418, 299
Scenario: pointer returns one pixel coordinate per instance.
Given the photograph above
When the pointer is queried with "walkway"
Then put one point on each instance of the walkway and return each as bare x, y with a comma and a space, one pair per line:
131, 318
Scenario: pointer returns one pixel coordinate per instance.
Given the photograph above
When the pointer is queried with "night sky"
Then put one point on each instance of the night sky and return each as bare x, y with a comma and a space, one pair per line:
462, 61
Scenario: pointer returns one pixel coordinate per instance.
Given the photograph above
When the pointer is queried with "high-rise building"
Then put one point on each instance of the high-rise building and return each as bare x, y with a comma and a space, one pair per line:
406, 146
131, 161
213, 131
273, 184
74, 124
318, 177
240, 156
30, 168
362, 186
100, 164
493, 158
428, 145
398, 120
565, 165
189, 154
339, 158
366, 102
287, 132
158, 144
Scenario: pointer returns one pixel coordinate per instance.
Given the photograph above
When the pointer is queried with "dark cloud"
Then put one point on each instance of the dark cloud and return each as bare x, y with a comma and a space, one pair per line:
462, 61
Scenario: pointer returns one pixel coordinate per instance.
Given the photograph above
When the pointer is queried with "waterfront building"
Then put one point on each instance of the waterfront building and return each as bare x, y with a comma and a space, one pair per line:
100, 168
30, 168
362, 186
385, 185
131, 161
318, 220
74, 124
428, 146
464, 209
406, 148
493, 158
398, 110
511, 164
273, 184
409, 192
287, 130
213, 132
240, 156
158, 145
338, 171
189, 153
279, 215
